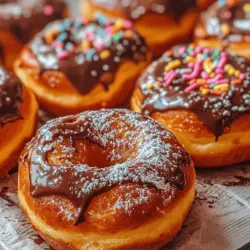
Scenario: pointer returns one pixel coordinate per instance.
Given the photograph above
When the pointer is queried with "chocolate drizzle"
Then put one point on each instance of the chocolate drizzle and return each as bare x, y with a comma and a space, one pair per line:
155, 158
215, 86
24, 18
134, 9
88, 52
230, 22
10, 97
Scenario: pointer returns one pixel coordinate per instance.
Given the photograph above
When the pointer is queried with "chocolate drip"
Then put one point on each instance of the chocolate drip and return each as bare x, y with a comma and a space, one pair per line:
230, 22
134, 9
88, 53
10, 97
24, 18
216, 100
157, 162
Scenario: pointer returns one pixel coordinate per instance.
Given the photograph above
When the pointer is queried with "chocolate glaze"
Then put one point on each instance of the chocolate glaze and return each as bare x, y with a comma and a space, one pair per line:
228, 22
216, 110
84, 65
134, 9
156, 158
23, 18
10, 97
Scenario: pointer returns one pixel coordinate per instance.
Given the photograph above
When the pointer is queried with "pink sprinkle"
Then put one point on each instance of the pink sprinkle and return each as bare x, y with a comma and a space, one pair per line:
207, 50
194, 74
191, 87
56, 44
192, 54
62, 55
191, 65
48, 10
204, 75
90, 36
242, 76
169, 77
218, 71
170, 73
182, 50
99, 46
109, 30
128, 24
224, 54
218, 77
222, 62
221, 81
198, 49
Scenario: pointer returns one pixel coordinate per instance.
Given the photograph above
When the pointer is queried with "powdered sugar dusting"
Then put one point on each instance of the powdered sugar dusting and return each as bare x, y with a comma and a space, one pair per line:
142, 150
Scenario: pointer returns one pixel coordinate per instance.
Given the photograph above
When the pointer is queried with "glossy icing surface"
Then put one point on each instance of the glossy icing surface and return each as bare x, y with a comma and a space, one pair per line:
88, 52
10, 97
213, 84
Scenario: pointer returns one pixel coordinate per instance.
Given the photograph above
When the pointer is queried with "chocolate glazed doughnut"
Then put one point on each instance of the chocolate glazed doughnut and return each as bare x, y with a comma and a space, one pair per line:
202, 96
20, 20
74, 66
163, 23
141, 181
17, 119
226, 24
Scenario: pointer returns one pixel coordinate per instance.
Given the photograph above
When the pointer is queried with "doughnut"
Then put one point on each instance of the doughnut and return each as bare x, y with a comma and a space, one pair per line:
163, 23
73, 66
202, 96
225, 25
20, 20
86, 183
18, 110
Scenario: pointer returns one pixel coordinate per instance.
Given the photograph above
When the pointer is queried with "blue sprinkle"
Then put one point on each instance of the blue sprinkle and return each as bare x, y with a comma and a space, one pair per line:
67, 23
102, 33
90, 53
205, 55
184, 55
68, 46
78, 24
62, 37
61, 28
101, 19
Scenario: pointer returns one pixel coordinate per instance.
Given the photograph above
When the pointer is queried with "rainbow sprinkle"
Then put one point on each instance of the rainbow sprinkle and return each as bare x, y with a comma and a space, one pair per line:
94, 40
208, 71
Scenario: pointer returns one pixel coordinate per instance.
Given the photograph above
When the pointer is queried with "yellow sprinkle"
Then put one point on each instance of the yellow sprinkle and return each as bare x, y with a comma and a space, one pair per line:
237, 73
231, 72
221, 86
172, 65
205, 91
225, 29
227, 67
207, 68
246, 7
104, 54
198, 56
149, 86
118, 25
190, 59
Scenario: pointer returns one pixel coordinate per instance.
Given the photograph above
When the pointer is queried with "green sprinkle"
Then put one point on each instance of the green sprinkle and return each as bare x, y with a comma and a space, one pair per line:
216, 52
117, 37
